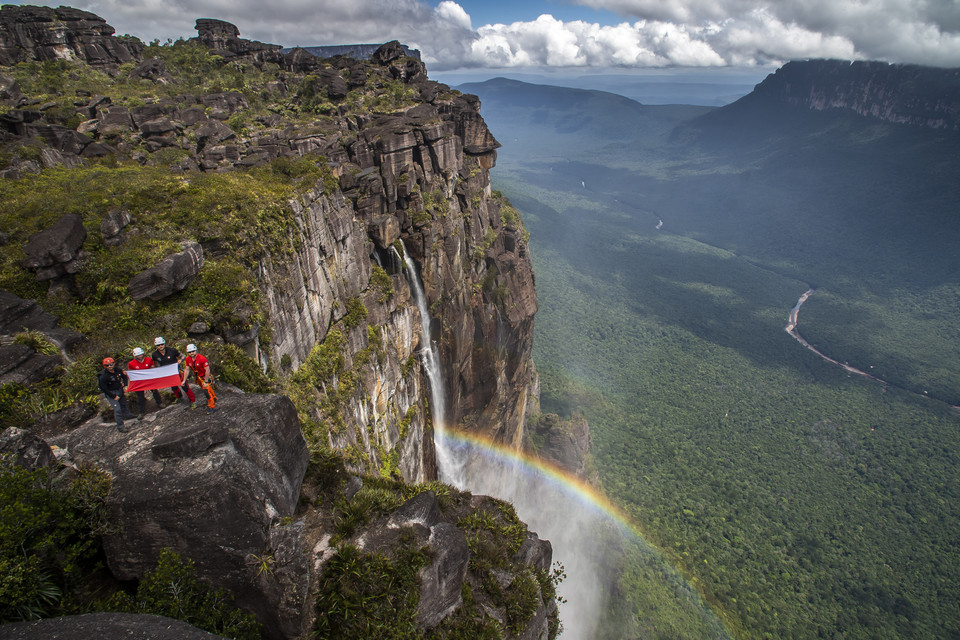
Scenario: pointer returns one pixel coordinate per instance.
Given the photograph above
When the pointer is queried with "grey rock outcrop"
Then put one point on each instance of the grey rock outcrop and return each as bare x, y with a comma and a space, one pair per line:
22, 365
9, 90
901, 93
55, 252
28, 450
214, 488
42, 33
224, 38
17, 315
129, 626
112, 226
153, 69
172, 274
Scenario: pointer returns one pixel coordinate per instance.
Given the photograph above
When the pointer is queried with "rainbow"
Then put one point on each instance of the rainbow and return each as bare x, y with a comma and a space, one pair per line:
528, 466
586, 494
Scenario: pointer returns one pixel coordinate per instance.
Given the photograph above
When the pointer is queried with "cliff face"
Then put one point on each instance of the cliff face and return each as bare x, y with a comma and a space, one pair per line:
899, 93
317, 294
420, 177
409, 168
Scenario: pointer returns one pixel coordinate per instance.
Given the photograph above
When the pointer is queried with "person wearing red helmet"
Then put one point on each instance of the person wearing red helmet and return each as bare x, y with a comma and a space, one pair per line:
113, 382
141, 361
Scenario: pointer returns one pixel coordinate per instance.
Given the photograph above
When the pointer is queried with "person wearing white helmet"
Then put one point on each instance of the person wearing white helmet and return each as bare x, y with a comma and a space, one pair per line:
141, 361
201, 369
164, 355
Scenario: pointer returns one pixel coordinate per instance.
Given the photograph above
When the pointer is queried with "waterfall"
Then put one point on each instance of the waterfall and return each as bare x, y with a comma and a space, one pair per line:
450, 465
586, 539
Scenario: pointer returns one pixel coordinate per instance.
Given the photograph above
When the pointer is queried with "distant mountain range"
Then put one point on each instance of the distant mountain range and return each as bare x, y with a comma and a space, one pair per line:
902, 94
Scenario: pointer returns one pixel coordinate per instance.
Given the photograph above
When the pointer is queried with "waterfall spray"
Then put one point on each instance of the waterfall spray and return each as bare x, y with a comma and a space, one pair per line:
450, 466
580, 533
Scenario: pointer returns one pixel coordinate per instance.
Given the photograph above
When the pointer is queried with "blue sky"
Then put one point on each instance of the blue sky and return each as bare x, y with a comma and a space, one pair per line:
505, 11
585, 35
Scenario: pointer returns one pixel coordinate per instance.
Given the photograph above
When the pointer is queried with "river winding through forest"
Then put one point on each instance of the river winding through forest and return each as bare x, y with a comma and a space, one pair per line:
791, 328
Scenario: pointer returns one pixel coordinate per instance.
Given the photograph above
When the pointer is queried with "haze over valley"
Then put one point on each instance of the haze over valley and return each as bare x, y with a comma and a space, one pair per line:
670, 245
653, 337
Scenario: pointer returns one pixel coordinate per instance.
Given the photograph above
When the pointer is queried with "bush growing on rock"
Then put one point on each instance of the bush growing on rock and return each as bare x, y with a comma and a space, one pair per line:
174, 591
49, 530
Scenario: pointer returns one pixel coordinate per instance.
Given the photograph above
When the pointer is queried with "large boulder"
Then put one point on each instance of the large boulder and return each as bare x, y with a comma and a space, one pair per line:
216, 488
22, 365
27, 450
172, 274
18, 315
42, 33
9, 90
153, 69
112, 226
104, 625
55, 252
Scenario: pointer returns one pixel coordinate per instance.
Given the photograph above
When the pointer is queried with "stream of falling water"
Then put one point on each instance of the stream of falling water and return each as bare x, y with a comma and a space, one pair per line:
451, 468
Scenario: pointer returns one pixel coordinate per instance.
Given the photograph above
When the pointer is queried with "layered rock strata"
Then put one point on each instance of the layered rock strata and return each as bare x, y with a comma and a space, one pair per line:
899, 93
41, 33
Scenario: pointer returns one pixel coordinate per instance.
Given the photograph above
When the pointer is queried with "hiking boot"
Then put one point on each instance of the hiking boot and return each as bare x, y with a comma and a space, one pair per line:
193, 405
122, 429
211, 409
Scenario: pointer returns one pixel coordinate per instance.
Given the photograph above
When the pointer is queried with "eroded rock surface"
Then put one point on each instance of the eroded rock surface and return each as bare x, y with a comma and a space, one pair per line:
42, 33
213, 488
129, 626
172, 274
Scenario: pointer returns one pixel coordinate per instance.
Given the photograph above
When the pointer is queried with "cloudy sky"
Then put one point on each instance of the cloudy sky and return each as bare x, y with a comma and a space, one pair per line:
578, 34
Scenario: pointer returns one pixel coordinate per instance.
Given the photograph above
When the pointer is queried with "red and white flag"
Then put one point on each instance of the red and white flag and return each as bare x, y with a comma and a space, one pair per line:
156, 378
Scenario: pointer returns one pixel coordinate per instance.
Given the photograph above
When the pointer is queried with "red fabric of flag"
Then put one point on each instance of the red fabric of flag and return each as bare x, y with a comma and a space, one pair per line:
156, 378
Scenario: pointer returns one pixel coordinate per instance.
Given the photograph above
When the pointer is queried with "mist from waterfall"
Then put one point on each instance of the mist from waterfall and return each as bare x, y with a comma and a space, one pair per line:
587, 541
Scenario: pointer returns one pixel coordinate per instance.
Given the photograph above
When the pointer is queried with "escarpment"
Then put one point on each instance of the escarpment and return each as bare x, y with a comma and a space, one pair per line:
272, 224
406, 168
899, 93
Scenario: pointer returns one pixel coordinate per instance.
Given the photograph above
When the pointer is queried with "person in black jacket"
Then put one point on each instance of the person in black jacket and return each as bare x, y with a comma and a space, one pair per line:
164, 355
113, 382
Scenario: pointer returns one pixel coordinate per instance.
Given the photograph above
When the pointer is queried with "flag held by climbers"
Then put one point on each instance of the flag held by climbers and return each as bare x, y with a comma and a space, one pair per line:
156, 378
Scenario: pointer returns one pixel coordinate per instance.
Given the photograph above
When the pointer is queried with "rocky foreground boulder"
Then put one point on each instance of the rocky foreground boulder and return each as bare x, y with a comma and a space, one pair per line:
227, 491
129, 626
214, 488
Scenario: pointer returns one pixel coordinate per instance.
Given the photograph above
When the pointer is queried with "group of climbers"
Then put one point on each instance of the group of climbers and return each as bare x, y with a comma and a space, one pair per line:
114, 382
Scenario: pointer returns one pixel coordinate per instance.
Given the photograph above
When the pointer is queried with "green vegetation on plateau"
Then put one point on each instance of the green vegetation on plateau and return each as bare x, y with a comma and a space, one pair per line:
800, 500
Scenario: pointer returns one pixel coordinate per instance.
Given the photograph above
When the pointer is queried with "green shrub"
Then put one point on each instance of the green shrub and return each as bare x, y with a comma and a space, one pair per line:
381, 282
174, 591
370, 595
48, 538
231, 365
356, 312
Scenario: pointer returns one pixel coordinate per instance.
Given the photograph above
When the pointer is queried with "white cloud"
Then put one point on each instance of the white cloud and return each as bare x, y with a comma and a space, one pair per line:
656, 33
917, 31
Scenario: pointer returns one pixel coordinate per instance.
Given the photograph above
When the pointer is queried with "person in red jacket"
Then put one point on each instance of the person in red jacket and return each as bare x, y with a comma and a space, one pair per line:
201, 369
141, 361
